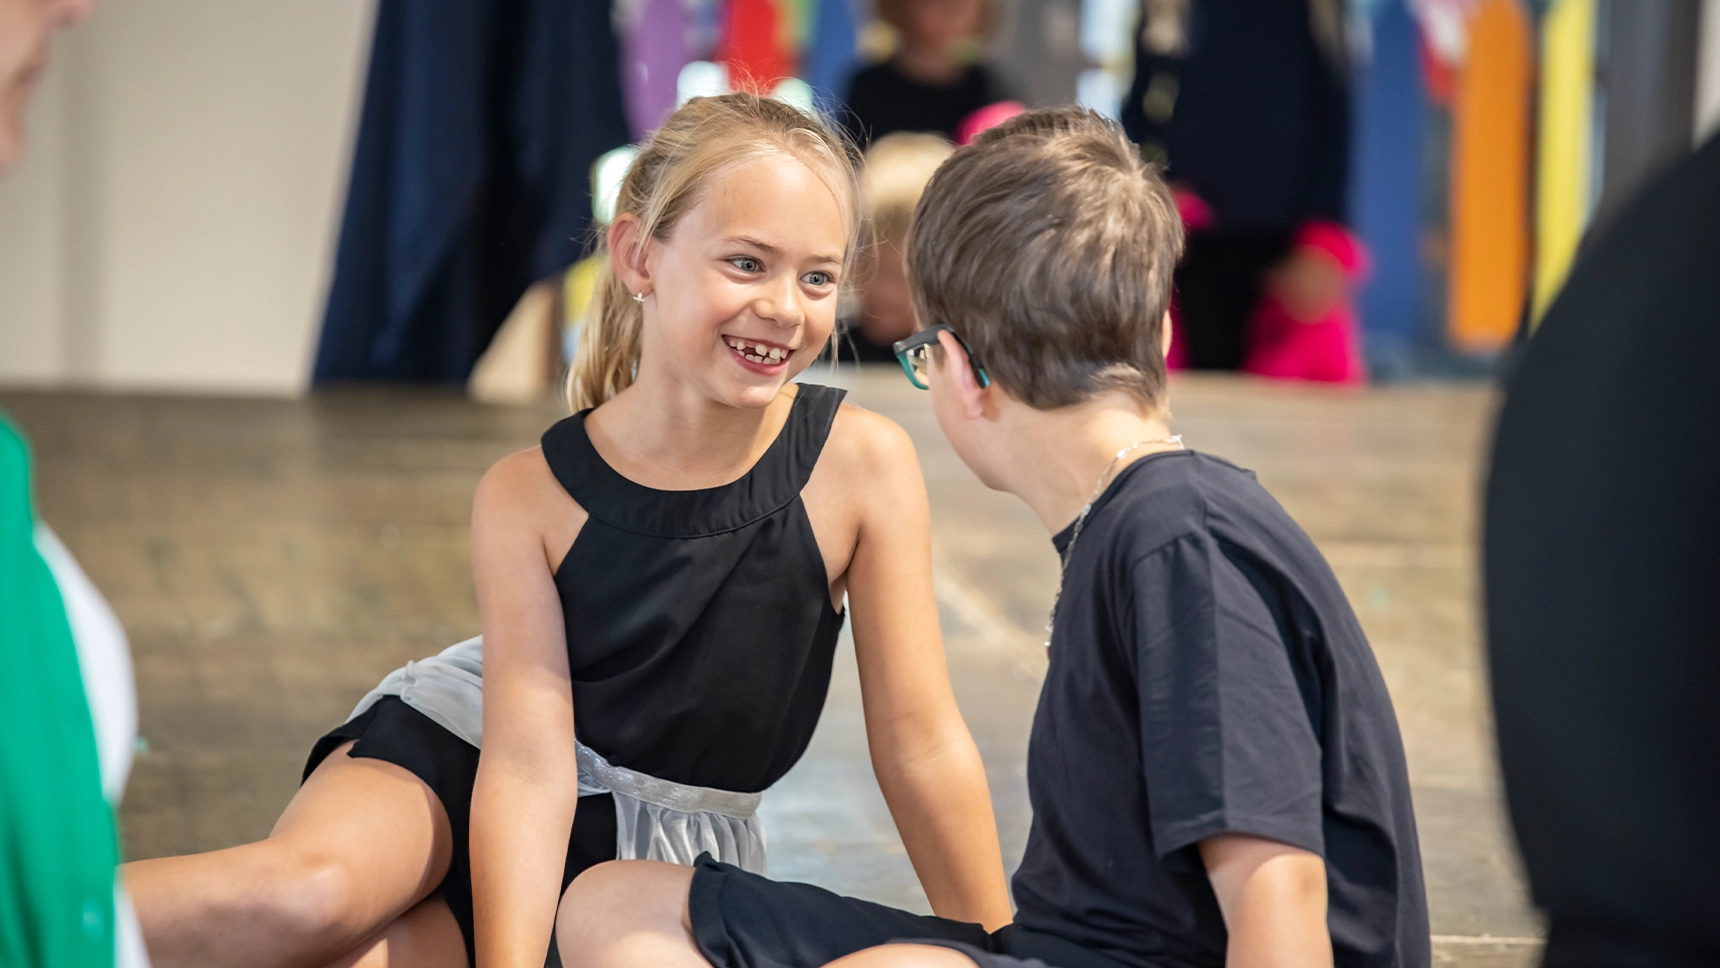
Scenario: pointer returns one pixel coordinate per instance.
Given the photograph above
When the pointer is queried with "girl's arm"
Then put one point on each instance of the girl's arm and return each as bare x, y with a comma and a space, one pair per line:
528, 773
924, 757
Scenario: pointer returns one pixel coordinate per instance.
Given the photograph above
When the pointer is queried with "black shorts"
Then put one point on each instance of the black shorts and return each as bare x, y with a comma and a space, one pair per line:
742, 920
394, 732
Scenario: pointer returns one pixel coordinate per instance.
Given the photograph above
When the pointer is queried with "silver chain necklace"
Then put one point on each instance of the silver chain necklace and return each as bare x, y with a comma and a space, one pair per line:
1081, 521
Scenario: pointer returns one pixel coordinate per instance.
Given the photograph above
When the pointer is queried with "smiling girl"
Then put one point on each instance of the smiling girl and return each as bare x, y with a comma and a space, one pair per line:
661, 585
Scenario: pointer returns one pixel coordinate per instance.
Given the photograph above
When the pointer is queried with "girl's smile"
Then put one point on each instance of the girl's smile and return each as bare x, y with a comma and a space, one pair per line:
759, 356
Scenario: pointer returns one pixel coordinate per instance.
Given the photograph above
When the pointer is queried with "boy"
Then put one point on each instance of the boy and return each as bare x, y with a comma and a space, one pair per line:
1215, 768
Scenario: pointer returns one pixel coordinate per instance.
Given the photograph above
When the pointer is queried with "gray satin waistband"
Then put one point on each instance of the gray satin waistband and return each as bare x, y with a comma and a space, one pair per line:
656, 819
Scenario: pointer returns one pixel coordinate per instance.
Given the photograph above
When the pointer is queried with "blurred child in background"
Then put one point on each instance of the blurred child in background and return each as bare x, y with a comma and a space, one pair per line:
1304, 326
896, 171
933, 80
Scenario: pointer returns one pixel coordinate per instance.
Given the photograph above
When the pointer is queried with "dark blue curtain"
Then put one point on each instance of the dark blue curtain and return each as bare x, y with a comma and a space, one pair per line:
1255, 116
470, 179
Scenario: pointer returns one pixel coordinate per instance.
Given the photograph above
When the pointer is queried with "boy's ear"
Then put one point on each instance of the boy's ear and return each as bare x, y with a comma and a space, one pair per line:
1165, 337
971, 395
627, 253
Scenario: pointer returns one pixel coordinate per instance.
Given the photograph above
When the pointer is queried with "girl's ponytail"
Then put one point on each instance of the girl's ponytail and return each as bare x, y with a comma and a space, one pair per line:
703, 136
609, 347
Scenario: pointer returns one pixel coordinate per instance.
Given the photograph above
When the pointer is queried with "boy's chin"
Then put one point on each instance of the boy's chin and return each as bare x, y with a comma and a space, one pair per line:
972, 450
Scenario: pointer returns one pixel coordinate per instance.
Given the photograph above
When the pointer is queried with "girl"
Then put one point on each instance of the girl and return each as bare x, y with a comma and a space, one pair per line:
660, 584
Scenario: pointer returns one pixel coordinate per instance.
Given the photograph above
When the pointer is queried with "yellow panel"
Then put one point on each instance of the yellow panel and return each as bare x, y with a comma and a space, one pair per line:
1567, 98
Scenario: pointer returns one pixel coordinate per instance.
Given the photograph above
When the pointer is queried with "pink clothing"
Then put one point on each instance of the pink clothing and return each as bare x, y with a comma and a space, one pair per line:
1327, 349
989, 116
1283, 348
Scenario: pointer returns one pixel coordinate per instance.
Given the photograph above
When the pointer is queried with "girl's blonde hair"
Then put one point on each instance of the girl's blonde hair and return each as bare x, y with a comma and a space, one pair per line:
704, 137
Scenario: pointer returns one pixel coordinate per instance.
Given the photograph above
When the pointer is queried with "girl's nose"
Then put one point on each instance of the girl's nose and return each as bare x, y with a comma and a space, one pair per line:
782, 303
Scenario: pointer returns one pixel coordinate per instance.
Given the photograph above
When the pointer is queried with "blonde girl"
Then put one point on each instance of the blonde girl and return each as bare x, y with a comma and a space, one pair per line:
661, 584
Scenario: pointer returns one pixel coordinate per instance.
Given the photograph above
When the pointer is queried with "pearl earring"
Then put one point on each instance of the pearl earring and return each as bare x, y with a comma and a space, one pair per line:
639, 297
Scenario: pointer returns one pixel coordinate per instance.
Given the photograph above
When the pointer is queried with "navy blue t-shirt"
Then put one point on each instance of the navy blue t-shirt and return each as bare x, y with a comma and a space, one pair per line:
1207, 677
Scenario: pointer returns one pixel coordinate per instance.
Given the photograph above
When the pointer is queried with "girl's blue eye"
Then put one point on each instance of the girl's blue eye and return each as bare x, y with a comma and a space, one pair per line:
747, 263
820, 279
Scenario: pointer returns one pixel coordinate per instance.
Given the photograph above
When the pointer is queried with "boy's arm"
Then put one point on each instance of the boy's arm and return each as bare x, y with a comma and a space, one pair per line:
1273, 897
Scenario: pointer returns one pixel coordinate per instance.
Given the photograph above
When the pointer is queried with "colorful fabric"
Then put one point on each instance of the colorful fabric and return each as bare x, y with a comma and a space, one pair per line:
653, 51
58, 844
753, 45
1490, 180
1563, 192
1391, 105
832, 53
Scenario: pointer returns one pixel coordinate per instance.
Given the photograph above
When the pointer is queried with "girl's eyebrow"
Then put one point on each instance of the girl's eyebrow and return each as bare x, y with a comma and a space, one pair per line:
773, 250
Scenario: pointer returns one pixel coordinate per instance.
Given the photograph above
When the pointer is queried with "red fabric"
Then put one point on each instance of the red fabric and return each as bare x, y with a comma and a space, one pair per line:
752, 46
1440, 78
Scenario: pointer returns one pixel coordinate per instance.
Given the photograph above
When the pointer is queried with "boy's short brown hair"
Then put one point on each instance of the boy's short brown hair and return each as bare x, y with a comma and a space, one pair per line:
1048, 244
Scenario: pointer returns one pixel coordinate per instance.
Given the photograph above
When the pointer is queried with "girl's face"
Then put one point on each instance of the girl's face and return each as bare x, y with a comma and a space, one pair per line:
742, 295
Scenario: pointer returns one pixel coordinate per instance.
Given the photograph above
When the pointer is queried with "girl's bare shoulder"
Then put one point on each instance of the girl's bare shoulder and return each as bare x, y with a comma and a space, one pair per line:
521, 484
866, 448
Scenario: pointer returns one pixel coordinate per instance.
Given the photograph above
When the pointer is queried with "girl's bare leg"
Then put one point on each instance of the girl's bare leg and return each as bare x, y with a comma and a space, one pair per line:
904, 956
628, 913
425, 937
362, 843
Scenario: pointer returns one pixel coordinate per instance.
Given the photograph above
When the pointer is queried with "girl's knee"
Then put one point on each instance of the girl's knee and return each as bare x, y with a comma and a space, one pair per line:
315, 895
425, 937
622, 898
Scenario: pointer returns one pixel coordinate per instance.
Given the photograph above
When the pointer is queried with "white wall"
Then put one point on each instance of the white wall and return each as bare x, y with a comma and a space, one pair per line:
173, 224
1708, 71
32, 246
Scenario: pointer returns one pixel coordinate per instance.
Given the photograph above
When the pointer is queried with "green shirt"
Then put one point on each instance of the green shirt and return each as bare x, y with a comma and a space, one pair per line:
58, 843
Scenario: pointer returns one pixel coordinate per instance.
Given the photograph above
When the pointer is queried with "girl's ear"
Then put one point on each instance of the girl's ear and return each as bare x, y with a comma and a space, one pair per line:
627, 251
1165, 337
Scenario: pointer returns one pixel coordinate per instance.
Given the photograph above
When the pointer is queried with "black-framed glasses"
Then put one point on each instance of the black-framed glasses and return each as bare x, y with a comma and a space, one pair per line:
914, 353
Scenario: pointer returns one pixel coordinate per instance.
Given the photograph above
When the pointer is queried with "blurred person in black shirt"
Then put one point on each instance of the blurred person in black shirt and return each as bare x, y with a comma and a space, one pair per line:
1603, 589
1247, 103
933, 80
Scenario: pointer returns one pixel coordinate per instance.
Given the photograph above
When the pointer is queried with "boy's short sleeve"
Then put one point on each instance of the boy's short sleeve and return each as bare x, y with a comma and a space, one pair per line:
1226, 740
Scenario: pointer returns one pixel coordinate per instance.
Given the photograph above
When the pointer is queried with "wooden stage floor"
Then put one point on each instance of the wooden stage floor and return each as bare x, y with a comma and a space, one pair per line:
272, 559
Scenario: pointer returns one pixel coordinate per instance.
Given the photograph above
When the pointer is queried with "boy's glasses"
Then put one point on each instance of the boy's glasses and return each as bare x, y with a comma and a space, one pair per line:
914, 353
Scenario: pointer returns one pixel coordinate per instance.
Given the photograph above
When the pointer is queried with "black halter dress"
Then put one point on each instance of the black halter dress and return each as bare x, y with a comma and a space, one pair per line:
700, 636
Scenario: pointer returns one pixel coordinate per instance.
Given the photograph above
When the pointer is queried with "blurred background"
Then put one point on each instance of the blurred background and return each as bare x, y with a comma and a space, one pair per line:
177, 223
279, 281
